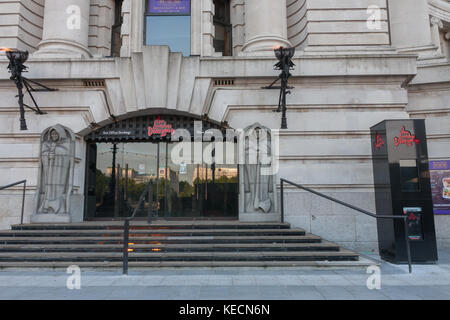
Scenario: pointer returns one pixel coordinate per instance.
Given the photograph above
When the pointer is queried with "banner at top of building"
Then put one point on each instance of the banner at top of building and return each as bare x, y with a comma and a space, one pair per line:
169, 6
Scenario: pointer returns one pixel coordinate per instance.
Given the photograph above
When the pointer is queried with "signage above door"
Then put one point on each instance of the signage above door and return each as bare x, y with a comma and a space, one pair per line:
161, 128
180, 7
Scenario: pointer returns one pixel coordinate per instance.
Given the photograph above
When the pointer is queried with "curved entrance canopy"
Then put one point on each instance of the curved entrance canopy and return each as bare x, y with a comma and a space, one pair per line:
188, 181
137, 128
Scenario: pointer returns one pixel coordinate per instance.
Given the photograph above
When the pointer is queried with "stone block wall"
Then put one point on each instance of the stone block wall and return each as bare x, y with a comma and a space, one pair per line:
333, 24
21, 23
101, 21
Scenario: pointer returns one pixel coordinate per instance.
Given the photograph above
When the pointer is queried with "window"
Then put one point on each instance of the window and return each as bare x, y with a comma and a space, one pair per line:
168, 22
222, 24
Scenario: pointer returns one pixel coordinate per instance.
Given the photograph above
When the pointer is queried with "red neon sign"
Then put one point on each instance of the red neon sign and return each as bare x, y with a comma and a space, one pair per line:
405, 138
379, 142
160, 127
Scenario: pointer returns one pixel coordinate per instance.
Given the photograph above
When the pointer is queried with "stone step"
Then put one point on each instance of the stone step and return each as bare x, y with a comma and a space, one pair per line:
307, 238
156, 232
323, 246
167, 244
111, 225
140, 265
342, 255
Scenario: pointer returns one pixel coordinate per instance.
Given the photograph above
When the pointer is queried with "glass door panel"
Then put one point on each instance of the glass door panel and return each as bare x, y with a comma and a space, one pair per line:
119, 173
107, 180
140, 166
181, 188
221, 181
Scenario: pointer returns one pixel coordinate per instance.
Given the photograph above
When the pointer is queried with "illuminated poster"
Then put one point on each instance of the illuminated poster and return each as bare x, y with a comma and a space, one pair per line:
440, 186
183, 168
415, 228
169, 6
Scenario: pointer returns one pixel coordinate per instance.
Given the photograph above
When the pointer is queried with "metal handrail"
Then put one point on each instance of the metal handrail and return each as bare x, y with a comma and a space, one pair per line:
126, 227
405, 218
23, 194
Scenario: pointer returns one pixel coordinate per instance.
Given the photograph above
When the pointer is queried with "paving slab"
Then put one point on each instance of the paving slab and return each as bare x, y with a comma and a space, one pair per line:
232, 283
335, 293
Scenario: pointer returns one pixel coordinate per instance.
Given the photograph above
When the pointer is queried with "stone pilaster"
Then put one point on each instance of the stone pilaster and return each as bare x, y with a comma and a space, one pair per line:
436, 24
66, 29
238, 23
208, 31
265, 25
125, 31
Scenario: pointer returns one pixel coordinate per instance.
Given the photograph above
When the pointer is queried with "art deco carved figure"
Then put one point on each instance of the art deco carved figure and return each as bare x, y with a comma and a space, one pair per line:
259, 188
55, 170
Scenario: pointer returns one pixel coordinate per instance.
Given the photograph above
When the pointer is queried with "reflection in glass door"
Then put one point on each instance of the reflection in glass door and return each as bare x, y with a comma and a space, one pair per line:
122, 171
119, 173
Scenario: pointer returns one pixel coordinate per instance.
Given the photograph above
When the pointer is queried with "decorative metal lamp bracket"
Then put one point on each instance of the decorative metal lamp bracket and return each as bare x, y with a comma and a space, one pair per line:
16, 67
285, 64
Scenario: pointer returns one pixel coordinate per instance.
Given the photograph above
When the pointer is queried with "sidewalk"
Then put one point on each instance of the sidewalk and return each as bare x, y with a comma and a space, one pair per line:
426, 282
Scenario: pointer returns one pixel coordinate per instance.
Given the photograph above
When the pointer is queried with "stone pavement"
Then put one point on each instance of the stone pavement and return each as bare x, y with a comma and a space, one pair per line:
426, 282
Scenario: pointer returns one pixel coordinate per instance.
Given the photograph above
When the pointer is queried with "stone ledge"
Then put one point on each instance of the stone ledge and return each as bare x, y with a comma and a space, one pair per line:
50, 218
307, 66
259, 217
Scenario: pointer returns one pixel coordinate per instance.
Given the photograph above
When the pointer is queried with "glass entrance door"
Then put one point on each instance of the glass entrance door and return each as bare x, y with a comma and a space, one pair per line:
119, 173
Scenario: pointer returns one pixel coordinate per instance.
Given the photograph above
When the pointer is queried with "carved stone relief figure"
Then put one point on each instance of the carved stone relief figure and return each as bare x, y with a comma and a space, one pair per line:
55, 171
259, 190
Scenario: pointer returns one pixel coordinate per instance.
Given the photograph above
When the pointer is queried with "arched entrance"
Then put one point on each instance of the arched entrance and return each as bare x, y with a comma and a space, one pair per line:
124, 156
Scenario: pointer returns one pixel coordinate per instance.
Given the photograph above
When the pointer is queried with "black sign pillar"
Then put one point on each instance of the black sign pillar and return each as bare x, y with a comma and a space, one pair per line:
402, 187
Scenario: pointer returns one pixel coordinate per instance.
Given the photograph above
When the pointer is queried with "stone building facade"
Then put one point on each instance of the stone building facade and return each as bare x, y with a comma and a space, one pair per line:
358, 62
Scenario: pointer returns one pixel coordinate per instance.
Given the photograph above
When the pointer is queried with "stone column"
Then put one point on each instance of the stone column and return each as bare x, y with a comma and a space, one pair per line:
66, 28
410, 24
265, 25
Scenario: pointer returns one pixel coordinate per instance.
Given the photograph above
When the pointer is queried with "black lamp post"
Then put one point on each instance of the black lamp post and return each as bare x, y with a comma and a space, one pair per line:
285, 64
16, 67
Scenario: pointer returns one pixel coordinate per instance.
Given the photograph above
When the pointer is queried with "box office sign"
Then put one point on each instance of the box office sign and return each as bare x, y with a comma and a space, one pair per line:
114, 133
440, 186
181, 7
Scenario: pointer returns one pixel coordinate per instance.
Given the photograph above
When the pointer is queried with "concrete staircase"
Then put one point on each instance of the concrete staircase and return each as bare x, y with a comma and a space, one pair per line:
168, 244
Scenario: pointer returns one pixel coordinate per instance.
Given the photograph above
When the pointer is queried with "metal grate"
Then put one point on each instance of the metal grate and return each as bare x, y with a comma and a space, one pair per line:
94, 83
223, 82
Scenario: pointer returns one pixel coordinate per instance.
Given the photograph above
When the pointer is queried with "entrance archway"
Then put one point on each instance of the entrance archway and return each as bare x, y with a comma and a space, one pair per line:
124, 156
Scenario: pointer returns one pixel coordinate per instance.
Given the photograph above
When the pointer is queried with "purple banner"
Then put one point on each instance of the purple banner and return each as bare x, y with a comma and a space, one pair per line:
440, 186
440, 165
169, 6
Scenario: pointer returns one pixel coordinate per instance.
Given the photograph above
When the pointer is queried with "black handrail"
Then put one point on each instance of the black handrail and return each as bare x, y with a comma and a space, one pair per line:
23, 194
376, 216
126, 228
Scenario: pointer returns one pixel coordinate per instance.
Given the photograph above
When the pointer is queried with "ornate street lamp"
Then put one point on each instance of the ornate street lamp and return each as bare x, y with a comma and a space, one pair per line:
16, 67
285, 64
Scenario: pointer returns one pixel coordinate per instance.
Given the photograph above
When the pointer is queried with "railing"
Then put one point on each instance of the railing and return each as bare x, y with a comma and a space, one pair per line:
405, 218
23, 194
126, 228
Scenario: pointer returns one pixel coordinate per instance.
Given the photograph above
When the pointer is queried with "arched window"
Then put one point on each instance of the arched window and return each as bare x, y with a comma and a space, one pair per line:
223, 29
